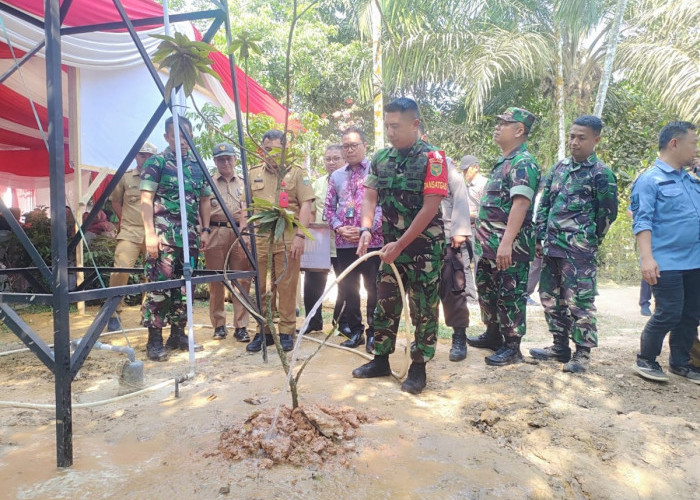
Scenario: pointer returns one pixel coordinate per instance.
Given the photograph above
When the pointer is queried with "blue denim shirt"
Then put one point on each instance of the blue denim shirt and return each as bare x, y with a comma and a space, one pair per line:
666, 202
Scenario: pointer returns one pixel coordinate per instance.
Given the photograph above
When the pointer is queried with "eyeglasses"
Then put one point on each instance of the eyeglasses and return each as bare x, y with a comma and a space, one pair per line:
351, 147
334, 159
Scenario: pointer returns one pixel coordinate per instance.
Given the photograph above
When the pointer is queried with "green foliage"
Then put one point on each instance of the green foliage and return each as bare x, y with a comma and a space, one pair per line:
273, 220
37, 226
185, 60
617, 258
209, 130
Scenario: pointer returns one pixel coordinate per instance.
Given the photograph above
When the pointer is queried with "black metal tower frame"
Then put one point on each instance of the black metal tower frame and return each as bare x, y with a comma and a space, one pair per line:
62, 364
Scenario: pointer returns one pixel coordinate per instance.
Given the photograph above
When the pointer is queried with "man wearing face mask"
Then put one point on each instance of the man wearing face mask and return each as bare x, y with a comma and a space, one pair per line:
577, 207
505, 239
297, 195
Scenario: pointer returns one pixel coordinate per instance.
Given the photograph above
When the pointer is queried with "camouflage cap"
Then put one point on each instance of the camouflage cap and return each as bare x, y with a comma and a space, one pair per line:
223, 149
149, 148
520, 115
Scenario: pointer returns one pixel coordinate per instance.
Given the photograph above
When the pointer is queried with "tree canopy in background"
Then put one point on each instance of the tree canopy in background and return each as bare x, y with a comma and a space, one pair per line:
466, 60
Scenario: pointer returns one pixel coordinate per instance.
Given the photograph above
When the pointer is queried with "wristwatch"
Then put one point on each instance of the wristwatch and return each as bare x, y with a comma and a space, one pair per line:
363, 229
205, 230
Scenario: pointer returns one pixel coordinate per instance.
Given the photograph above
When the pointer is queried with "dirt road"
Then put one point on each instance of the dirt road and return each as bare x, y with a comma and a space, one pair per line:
527, 431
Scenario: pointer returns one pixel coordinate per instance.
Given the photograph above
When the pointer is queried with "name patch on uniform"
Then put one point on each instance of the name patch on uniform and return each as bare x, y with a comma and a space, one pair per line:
258, 180
436, 174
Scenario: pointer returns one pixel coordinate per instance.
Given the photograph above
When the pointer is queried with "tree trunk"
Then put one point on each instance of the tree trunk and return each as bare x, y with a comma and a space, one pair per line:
613, 38
377, 81
561, 133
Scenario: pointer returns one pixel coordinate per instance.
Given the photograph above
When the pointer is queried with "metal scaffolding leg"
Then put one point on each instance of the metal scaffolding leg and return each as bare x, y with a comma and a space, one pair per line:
59, 250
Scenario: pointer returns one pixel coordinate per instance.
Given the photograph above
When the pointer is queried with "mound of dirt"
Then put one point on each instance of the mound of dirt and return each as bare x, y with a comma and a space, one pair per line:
307, 435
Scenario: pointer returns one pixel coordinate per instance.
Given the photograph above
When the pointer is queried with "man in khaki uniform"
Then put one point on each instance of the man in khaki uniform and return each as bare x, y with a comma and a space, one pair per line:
220, 241
300, 196
126, 202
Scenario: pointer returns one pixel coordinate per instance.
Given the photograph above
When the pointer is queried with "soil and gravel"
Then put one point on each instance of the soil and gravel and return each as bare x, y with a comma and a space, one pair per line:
528, 431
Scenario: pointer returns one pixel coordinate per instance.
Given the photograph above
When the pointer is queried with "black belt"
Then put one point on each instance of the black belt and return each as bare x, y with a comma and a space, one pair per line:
220, 224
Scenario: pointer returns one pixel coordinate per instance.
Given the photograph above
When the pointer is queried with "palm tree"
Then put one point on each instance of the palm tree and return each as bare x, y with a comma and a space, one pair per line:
661, 49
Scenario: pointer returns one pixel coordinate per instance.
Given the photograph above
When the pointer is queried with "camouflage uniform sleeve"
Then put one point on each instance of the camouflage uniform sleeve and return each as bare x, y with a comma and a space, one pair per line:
371, 179
305, 191
606, 201
151, 173
543, 208
523, 178
206, 190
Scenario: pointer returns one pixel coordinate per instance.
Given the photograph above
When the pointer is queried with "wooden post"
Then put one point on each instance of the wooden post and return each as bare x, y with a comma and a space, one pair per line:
75, 160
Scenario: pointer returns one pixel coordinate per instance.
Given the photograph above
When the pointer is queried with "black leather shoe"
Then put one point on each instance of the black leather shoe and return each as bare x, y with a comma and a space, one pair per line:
355, 340
154, 348
416, 380
241, 335
220, 333
509, 354
345, 330
286, 341
256, 344
458, 352
558, 352
487, 340
378, 367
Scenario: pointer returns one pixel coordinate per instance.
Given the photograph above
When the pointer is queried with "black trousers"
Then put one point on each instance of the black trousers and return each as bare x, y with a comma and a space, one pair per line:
350, 287
453, 293
314, 286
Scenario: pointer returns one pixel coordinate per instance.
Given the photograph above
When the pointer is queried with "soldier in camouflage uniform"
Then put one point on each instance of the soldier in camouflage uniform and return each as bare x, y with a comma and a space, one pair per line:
505, 240
408, 181
578, 205
160, 209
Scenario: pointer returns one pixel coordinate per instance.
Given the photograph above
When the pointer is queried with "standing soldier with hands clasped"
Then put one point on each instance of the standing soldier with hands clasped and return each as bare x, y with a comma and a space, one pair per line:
578, 205
408, 181
505, 239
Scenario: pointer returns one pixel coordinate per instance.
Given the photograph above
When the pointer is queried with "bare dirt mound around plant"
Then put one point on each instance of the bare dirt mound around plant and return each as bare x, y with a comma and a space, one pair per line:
306, 435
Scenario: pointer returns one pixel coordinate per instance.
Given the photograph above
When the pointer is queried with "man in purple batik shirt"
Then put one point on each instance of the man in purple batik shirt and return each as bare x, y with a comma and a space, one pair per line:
342, 209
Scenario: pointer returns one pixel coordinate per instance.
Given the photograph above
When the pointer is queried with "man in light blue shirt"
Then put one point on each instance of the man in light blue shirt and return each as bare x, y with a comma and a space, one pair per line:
666, 208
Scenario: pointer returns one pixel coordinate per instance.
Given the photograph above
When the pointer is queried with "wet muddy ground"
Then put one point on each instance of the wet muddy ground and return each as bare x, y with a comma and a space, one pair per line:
528, 431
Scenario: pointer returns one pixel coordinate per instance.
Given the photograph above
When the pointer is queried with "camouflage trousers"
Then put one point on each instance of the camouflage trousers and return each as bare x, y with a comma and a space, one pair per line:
419, 268
567, 293
503, 296
165, 306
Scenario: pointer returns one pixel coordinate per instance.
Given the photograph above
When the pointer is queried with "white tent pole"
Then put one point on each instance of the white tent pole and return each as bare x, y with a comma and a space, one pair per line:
75, 160
187, 265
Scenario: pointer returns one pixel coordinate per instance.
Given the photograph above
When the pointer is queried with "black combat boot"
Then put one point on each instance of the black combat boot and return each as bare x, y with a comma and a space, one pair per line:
459, 345
415, 381
378, 367
178, 340
154, 348
490, 339
369, 346
579, 361
559, 351
507, 355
